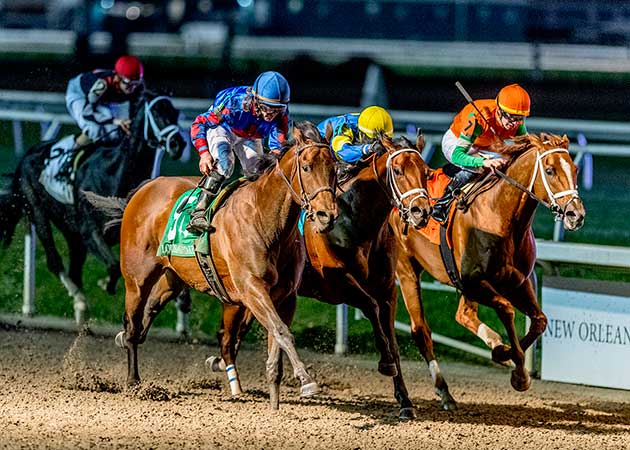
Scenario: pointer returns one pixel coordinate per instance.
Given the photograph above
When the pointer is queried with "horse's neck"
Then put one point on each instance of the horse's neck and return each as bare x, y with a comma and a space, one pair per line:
138, 157
366, 203
510, 202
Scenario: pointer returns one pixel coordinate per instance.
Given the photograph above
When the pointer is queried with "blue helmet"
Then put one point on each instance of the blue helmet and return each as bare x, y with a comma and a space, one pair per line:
272, 89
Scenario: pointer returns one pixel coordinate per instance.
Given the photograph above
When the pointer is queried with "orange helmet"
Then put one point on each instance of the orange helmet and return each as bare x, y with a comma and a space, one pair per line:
513, 99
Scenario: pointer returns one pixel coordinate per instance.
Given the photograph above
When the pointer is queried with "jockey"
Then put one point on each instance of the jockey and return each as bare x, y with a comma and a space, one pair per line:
470, 133
237, 122
90, 97
352, 131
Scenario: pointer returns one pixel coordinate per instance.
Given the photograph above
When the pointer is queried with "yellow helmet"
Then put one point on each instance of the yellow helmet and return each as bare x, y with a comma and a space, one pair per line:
373, 119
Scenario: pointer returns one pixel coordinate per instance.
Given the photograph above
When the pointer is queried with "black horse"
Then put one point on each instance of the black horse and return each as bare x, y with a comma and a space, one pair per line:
107, 171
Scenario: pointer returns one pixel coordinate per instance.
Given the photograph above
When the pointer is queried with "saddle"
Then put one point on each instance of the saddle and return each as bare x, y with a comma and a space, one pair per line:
177, 241
60, 167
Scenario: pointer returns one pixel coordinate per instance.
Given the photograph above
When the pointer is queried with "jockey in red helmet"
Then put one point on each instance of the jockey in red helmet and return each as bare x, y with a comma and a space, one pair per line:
473, 130
91, 98
238, 121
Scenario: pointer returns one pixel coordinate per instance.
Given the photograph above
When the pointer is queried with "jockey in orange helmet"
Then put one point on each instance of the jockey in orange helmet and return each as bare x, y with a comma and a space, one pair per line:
473, 130
90, 97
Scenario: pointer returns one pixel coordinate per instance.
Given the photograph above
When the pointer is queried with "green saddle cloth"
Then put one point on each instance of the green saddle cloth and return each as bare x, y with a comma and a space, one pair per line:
176, 241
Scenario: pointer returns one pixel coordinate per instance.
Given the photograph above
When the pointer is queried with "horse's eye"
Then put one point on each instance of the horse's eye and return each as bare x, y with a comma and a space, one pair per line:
398, 171
306, 168
550, 171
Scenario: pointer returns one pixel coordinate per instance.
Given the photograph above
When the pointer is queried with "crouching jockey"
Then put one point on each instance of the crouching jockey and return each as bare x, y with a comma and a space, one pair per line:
353, 132
237, 122
91, 98
470, 133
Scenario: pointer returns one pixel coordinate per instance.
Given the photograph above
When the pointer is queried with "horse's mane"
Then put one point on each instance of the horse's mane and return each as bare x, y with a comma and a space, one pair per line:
309, 131
523, 143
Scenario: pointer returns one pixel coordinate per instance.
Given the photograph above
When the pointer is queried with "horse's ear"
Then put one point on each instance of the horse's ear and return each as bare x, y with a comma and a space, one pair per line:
297, 133
329, 132
420, 140
387, 142
565, 141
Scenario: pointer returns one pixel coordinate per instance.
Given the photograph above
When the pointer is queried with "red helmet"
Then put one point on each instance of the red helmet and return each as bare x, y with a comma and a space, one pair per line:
129, 67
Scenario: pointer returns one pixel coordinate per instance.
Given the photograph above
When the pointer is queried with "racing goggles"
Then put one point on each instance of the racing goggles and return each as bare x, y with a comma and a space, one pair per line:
267, 109
511, 118
131, 83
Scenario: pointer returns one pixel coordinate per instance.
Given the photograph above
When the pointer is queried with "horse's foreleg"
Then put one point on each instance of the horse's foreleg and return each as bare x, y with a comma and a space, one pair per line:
232, 317
286, 310
525, 300
78, 253
420, 331
257, 299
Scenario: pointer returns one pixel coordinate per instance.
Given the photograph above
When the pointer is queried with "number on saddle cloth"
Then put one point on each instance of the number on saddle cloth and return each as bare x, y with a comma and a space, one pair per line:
59, 171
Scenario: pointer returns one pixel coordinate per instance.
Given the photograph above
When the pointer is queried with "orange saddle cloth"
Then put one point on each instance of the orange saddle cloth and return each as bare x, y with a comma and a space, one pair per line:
436, 187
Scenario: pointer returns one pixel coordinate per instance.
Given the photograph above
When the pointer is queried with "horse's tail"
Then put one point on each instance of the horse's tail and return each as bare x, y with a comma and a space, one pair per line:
11, 211
112, 207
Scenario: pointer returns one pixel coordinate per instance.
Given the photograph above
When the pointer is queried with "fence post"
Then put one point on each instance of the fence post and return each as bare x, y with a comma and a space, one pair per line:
341, 345
374, 90
18, 139
28, 295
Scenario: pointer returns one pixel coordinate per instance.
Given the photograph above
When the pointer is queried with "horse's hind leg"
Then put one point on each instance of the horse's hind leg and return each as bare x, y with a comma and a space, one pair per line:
420, 331
78, 253
104, 252
143, 302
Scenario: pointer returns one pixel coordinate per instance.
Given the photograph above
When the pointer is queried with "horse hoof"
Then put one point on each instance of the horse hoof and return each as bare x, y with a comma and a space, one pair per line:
501, 354
120, 340
309, 389
387, 369
215, 364
447, 402
103, 283
408, 413
519, 382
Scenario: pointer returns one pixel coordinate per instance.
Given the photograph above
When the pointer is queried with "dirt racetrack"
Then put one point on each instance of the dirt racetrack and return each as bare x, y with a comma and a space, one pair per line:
60, 391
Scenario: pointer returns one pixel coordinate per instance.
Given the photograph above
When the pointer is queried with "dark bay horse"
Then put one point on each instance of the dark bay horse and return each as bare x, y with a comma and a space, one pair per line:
257, 249
108, 171
494, 249
354, 263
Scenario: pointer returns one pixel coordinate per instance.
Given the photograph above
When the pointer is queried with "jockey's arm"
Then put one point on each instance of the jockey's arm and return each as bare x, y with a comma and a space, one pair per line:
199, 130
278, 135
345, 150
522, 129
465, 141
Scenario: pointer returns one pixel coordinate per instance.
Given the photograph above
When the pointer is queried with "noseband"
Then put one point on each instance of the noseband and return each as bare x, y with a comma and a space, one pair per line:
164, 136
394, 193
304, 199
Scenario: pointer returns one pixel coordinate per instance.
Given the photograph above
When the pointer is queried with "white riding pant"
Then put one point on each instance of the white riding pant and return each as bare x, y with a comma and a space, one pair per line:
223, 144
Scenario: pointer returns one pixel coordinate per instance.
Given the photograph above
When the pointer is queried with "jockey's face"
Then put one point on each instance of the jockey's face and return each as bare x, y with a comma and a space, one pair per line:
509, 121
269, 113
126, 85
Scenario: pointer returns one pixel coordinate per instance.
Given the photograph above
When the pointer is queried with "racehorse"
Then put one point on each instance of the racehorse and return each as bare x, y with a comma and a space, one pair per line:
108, 171
258, 253
355, 262
494, 250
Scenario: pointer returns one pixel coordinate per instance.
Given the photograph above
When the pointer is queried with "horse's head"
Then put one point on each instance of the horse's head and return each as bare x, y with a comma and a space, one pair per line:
407, 176
156, 121
313, 176
554, 177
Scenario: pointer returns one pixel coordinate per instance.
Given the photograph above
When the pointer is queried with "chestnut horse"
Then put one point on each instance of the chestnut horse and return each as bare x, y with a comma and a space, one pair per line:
257, 250
494, 249
355, 262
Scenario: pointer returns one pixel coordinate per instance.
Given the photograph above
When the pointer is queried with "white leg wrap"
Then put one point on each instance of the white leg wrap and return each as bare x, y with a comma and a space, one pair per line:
489, 336
68, 284
120, 339
434, 370
235, 384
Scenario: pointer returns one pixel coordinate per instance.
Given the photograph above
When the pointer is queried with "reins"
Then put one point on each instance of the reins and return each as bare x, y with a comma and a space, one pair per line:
164, 136
552, 205
303, 199
392, 191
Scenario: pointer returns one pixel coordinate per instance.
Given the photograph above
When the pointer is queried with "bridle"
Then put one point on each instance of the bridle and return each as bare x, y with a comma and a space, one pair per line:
558, 211
393, 192
163, 136
304, 199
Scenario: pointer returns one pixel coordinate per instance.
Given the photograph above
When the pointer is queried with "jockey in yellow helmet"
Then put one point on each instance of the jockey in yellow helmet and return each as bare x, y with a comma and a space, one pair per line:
475, 129
353, 132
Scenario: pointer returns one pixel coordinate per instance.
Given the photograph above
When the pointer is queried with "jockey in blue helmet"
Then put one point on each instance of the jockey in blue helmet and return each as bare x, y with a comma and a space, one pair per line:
239, 119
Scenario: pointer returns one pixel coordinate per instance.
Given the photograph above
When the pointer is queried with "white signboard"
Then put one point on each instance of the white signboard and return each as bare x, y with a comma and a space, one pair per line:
587, 340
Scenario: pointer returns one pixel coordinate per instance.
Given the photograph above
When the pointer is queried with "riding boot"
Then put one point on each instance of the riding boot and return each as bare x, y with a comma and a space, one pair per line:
442, 205
210, 188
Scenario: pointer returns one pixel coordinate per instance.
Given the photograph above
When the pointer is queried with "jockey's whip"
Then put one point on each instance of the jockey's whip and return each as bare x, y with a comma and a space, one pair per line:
469, 99
184, 202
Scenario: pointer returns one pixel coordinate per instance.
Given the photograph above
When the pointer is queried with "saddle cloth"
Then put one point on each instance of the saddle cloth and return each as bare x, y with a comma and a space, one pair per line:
60, 170
436, 187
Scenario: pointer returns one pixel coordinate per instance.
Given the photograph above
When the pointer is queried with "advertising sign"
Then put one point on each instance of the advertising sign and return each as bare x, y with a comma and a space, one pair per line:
587, 340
